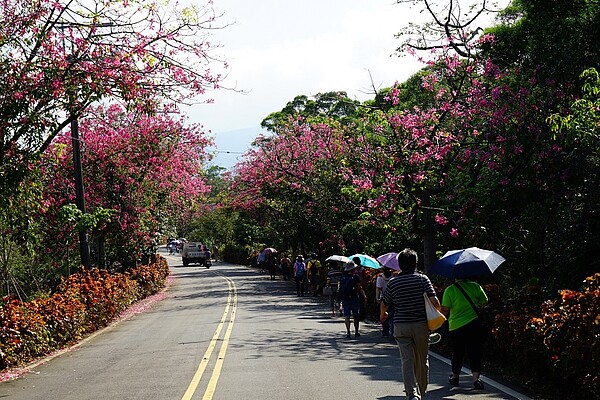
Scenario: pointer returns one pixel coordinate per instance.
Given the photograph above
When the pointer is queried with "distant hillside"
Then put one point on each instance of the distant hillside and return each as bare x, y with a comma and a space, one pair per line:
231, 145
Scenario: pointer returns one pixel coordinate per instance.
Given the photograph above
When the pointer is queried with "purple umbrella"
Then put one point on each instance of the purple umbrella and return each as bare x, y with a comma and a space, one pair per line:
389, 260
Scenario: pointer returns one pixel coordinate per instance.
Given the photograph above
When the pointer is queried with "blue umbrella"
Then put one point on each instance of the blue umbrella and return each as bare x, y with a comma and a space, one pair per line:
466, 263
366, 261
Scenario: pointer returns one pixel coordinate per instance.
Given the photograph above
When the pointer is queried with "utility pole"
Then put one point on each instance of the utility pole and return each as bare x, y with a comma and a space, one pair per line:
84, 247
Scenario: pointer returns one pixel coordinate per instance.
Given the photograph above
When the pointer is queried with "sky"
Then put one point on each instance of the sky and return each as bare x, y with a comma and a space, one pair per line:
278, 50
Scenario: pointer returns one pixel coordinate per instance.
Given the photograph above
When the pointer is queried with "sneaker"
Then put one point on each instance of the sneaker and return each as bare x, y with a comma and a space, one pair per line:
435, 338
357, 334
412, 397
348, 336
453, 381
478, 385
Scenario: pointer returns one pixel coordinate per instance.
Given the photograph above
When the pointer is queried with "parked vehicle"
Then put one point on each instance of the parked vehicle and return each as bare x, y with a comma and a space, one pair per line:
195, 252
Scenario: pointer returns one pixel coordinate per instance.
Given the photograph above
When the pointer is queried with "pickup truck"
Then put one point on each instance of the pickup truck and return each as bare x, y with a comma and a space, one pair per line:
195, 252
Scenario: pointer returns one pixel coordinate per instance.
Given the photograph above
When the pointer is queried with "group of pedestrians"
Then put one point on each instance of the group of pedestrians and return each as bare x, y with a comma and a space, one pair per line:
309, 275
343, 286
402, 311
403, 301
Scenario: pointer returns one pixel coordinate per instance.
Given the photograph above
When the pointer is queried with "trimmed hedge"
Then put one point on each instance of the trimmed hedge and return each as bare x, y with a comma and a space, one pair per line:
83, 303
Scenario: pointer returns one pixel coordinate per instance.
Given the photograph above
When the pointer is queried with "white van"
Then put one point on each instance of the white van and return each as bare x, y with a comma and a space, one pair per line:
195, 252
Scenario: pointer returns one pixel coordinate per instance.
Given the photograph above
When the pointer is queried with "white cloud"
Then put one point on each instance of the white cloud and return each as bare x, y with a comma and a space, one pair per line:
278, 50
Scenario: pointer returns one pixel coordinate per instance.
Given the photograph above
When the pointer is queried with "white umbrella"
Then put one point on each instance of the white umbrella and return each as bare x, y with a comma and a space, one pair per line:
338, 258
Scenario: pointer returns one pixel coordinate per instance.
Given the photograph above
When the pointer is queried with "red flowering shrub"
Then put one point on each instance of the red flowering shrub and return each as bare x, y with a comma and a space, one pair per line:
150, 278
23, 333
103, 295
560, 337
83, 303
64, 318
570, 330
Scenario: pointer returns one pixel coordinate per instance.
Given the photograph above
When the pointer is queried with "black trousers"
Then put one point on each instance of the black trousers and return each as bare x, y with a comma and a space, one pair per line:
467, 339
299, 285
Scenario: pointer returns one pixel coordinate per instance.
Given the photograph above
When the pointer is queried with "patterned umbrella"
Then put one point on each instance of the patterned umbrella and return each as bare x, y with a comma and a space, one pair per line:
466, 263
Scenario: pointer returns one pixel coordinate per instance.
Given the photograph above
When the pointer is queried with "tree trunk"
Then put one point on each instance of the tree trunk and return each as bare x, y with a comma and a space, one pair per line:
428, 233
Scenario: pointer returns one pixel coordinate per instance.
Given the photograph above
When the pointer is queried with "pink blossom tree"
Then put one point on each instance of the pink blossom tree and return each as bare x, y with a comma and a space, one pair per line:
148, 169
58, 57
294, 180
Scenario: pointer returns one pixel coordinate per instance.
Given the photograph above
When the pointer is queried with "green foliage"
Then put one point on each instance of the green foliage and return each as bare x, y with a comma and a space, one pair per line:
214, 227
582, 123
82, 303
21, 239
558, 38
69, 213
237, 254
325, 105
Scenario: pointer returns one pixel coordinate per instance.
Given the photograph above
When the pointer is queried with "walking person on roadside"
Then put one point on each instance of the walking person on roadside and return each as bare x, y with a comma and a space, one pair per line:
286, 266
361, 272
313, 267
459, 305
387, 326
351, 291
272, 265
299, 275
405, 293
333, 282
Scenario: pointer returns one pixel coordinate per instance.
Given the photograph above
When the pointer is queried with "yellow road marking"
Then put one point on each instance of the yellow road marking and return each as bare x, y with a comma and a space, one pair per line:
212, 345
212, 384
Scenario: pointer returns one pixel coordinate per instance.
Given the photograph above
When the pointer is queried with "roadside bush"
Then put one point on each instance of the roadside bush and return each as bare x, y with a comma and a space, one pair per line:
23, 334
150, 278
64, 316
104, 295
570, 330
83, 302
561, 337
236, 254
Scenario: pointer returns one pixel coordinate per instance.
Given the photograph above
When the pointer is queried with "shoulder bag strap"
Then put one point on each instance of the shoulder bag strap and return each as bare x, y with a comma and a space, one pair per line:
468, 298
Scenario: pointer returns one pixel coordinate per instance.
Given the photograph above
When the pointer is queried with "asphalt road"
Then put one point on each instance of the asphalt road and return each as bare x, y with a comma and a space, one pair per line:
229, 332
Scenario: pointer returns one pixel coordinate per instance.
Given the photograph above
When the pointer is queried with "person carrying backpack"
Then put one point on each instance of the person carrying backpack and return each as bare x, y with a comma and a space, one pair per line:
313, 268
299, 275
333, 283
351, 291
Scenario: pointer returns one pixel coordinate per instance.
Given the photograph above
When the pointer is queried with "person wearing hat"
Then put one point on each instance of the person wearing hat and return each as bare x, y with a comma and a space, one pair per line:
350, 293
313, 267
361, 272
299, 275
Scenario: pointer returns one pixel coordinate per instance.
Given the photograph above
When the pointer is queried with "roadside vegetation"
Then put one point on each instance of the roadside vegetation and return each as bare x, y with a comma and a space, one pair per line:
82, 303
494, 143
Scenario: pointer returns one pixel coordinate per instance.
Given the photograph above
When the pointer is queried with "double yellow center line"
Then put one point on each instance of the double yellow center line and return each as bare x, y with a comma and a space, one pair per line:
212, 384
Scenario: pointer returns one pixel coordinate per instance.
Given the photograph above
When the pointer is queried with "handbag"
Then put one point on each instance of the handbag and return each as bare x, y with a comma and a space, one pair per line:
435, 319
484, 329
